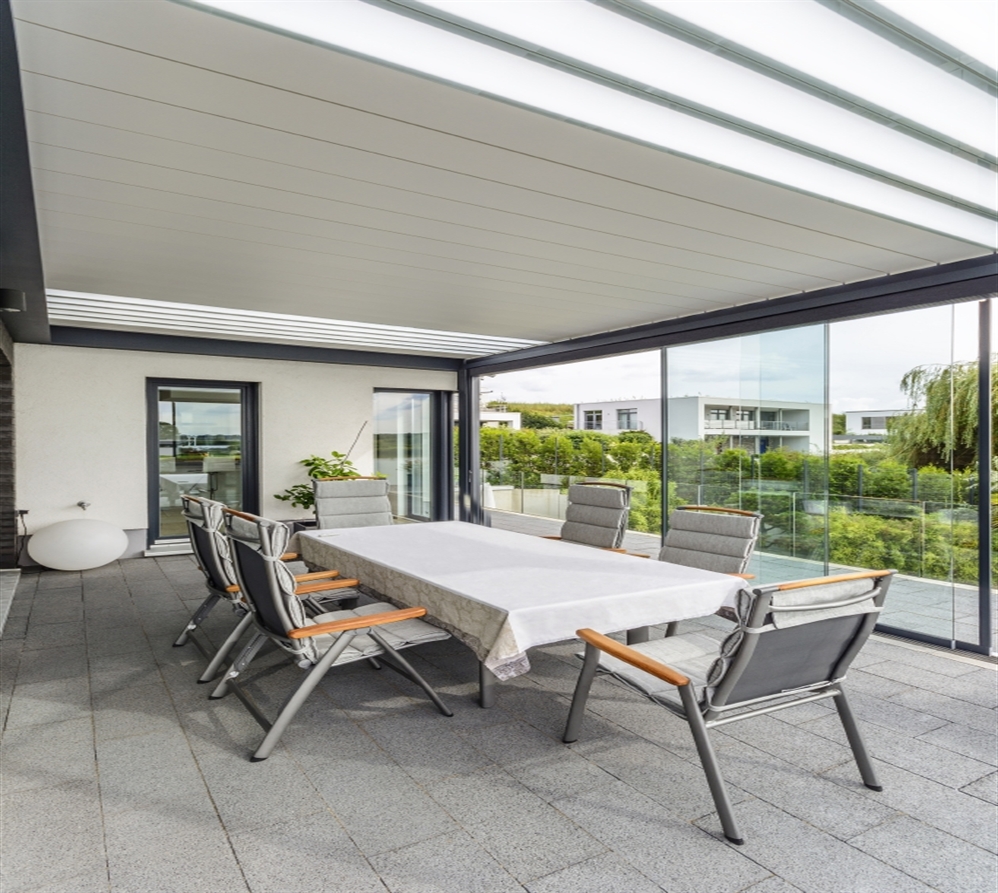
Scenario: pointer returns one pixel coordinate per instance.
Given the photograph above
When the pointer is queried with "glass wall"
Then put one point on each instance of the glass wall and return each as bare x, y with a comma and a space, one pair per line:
544, 429
200, 451
748, 428
403, 451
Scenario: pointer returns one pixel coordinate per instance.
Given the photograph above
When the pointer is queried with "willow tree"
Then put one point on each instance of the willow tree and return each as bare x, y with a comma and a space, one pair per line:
943, 427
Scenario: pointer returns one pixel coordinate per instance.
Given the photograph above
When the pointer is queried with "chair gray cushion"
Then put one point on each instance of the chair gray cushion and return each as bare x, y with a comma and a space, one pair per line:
710, 541
817, 595
352, 503
596, 516
405, 632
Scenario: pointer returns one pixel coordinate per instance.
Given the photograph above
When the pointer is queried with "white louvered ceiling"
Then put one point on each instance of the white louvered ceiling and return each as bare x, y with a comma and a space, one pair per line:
180, 156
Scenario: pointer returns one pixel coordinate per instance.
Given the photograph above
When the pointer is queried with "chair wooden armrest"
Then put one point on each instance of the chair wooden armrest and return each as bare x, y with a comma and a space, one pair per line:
325, 586
840, 578
717, 508
317, 575
290, 556
634, 658
550, 537
232, 588
743, 576
619, 551
338, 626
638, 555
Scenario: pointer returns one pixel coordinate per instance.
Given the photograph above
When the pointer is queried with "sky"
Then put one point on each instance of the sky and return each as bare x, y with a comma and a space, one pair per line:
867, 358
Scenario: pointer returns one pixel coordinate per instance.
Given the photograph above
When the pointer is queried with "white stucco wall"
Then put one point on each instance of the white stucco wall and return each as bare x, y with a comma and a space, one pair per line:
81, 423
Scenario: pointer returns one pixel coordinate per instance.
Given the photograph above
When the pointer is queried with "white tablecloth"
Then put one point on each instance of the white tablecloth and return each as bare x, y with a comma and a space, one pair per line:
501, 592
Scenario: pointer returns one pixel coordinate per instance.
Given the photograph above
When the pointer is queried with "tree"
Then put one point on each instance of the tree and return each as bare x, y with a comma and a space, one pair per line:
838, 423
531, 419
944, 427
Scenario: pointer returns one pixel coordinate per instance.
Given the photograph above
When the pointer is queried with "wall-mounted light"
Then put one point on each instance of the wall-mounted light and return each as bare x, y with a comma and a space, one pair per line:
12, 300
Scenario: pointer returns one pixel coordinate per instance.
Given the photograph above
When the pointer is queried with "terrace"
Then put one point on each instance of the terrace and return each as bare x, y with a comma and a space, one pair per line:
110, 745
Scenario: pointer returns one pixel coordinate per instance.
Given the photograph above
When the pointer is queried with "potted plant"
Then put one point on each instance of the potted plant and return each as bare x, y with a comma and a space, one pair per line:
338, 466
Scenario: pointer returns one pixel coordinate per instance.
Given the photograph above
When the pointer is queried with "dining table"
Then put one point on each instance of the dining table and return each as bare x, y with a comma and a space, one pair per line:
501, 593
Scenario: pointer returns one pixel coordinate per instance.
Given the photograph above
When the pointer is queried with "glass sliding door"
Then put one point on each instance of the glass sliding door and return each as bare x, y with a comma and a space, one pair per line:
748, 428
201, 443
403, 450
906, 481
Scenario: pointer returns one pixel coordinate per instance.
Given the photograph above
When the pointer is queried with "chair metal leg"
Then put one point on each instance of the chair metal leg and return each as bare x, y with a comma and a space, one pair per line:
197, 618
711, 768
862, 758
238, 665
392, 655
211, 671
300, 695
578, 710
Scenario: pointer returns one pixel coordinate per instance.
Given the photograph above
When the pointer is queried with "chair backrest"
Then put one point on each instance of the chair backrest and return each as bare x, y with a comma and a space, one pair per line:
256, 545
204, 526
352, 502
597, 514
792, 637
711, 538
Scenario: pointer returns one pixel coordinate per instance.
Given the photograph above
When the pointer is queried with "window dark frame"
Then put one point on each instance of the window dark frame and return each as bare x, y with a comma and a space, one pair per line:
249, 463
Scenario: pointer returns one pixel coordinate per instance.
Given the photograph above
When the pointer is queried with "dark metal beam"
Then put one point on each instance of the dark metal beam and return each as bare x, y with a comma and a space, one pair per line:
984, 448
943, 283
469, 470
20, 253
108, 339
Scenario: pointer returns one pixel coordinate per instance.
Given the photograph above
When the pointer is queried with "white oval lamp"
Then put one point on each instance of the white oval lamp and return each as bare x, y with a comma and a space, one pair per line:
77, 545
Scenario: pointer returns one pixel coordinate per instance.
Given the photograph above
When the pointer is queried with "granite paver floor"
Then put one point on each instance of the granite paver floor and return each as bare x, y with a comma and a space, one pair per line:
120, 775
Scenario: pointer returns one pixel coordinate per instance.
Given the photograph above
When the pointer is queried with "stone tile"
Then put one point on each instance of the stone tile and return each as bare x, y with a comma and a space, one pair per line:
451, 863
132, 669
45, 702
796, 744
773, 884
945, 862
425, 746
670, 851
94, 881
973, 715
104, 640
917, 756
148, 850
304, 856
46, 665
938, 805
961, 739
249, 796
606, 873
984, 788
53, 635
809, 859
58, 580
892, 715
155, 773
809, 797
137, 710
61, 609
49, 839
60, 752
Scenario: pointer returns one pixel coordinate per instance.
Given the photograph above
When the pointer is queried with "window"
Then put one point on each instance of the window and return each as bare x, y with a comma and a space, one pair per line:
867, 423
594, 419
745, 415
718, 415
627, 419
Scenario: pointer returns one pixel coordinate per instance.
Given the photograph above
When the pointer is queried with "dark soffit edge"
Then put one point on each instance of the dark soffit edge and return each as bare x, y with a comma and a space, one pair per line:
943, 283
110, 339
20, 252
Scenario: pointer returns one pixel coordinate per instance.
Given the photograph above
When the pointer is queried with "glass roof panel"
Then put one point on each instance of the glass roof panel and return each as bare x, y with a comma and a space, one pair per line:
400, 40
968, 25
851, 58
615, 43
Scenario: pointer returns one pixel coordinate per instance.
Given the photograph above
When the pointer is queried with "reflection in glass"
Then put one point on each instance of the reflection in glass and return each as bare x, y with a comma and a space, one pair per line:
200, 450
402, 451
747, 428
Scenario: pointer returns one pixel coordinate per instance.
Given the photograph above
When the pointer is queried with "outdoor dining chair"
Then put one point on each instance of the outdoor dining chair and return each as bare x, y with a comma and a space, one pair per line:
596, 514
351, 502
712, 538
314, 644
793, 644
210, 545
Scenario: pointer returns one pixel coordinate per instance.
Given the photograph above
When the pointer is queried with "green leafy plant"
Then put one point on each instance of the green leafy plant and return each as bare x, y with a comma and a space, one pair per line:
338, 466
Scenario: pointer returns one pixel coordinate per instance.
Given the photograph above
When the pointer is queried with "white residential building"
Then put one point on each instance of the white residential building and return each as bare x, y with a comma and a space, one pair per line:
870, 421
754, 425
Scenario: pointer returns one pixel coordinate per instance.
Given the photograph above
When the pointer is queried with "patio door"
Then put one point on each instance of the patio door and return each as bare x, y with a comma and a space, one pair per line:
202, 441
